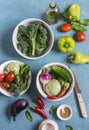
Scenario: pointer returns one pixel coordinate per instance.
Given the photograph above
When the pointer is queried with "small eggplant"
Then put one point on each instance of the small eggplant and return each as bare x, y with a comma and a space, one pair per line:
18, 106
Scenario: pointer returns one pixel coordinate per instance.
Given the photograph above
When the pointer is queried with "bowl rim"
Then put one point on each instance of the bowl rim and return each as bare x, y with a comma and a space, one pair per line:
38, 82
26, 22
48, 121
62, 106
2, 66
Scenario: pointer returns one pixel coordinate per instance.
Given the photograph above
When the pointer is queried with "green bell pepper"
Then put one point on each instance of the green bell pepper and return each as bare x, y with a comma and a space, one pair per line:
79, 58
66, 44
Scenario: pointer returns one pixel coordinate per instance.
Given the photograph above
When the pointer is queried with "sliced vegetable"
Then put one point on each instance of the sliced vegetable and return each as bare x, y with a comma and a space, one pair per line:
79, 58
28, 115
65, 27
81, 36
18, 106
66, 44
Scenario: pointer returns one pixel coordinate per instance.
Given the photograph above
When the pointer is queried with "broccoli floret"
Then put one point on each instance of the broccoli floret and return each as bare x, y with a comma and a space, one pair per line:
32, 39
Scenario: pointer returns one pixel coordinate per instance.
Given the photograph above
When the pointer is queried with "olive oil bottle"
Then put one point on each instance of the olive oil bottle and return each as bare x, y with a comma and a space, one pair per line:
52, 14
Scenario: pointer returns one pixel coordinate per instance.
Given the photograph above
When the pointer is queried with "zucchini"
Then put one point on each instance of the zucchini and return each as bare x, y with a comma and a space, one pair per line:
62, 72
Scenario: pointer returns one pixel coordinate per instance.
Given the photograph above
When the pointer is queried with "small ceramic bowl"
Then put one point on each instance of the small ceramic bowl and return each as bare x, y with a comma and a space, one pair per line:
40, 87
50, 40
64, 112
48, 124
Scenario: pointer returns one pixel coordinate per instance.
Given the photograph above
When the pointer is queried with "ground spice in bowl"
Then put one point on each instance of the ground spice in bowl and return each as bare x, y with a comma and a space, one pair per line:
64, 112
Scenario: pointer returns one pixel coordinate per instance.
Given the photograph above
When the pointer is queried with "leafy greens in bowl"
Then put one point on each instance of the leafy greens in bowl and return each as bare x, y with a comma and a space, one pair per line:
33, 38
16, 78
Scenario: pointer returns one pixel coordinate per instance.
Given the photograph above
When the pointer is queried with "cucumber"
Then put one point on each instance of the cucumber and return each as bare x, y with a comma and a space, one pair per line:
62, 72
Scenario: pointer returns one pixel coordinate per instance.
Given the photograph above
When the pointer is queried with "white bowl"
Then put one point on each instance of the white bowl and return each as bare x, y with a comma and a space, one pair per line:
2, 67
39, 84
64, 114
48, 124
26, 23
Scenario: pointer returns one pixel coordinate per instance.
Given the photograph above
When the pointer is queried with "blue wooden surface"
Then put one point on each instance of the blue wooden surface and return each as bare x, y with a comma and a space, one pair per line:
11, 13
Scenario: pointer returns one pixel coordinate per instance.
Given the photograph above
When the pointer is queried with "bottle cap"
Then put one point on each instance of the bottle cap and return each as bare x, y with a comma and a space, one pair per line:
52, 5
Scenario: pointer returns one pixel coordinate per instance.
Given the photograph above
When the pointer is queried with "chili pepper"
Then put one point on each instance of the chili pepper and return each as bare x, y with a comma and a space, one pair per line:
79, 58
61, 93
40, 102
39, 111
66, 44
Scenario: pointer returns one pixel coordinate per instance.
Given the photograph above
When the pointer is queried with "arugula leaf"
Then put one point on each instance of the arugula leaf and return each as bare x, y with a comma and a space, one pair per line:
77, 26
69, 127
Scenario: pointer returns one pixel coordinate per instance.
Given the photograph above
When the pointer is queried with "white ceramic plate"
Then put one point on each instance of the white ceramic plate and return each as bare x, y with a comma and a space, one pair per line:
26, 23
2, 67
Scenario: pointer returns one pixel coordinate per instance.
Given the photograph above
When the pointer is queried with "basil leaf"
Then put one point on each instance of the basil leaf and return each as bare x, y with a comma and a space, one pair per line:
28, 115
84, 22
52, 110
77, 26
69, 127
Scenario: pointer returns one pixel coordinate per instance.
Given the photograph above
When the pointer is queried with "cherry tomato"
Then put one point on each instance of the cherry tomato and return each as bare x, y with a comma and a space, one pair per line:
10, 76
5, 85
66, 27
81, 36
2, 77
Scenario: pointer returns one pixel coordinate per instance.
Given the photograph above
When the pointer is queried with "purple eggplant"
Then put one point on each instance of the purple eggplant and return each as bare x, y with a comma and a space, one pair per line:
18, 106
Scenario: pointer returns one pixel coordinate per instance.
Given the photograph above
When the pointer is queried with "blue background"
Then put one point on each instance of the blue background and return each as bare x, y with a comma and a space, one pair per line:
11, 13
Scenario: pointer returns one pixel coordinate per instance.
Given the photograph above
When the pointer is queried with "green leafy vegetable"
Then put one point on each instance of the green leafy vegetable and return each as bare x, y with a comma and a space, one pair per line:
21, 80
28, 115
84, 22
69, 127
52, 110
73, 15
32, 39
77, 26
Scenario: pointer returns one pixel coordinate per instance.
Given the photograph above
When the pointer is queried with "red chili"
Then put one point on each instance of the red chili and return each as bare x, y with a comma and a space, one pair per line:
39, 111
40, 102
62, 93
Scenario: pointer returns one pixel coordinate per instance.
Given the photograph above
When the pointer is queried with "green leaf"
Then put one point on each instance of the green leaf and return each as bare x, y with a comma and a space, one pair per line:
84, 22
69, 127
52, 110
28, 115
77, 26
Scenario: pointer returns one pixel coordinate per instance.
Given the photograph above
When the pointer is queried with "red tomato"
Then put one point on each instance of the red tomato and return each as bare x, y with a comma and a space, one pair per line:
81, 36
10, 76
2, 77
65, 27
5, 85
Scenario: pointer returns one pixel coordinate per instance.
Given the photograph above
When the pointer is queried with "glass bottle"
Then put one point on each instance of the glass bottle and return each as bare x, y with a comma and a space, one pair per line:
52, 14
